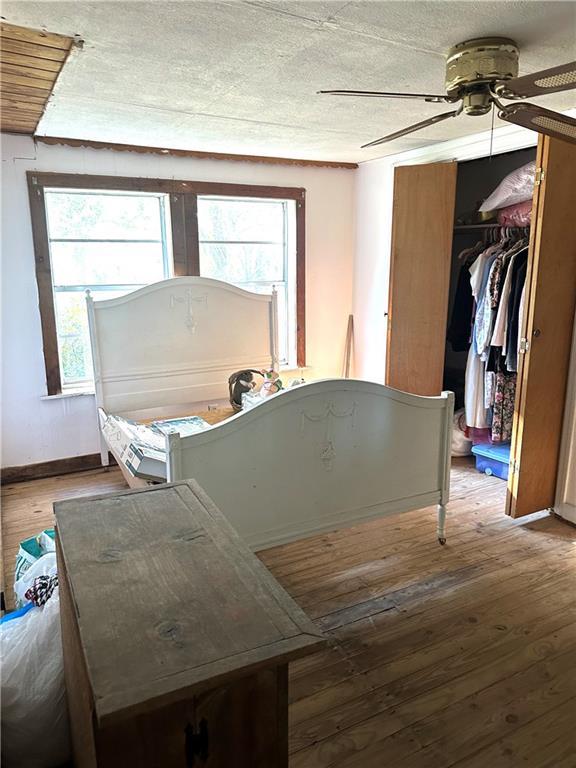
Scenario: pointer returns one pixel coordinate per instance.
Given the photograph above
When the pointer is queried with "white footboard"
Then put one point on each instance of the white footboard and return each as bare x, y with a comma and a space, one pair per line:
322, 456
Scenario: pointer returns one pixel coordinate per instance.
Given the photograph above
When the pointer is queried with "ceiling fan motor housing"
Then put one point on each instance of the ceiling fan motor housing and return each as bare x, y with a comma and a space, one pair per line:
474, 66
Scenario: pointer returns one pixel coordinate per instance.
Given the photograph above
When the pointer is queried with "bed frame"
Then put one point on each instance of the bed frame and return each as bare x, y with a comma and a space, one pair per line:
316, 457
322, 456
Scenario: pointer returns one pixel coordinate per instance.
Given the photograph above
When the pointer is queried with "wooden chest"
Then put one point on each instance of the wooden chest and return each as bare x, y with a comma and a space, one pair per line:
176, 638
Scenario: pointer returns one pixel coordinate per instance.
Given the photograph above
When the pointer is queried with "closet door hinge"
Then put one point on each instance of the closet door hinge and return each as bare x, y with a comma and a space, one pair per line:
524, 346
514, 466
540, 176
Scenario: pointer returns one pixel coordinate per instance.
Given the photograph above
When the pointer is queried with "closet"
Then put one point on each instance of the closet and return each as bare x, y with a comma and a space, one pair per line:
484, 379
430, 202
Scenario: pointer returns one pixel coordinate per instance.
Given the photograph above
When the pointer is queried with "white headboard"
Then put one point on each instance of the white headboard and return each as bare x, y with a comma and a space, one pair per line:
177, 341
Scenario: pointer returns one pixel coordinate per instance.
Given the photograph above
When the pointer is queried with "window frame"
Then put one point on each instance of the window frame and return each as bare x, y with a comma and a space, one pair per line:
183, 203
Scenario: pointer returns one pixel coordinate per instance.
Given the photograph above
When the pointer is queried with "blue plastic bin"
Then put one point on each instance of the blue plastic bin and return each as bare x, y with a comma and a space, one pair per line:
492, 459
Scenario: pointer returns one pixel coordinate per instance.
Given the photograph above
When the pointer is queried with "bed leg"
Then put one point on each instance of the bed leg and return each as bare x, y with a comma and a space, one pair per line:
104, 456
442, 523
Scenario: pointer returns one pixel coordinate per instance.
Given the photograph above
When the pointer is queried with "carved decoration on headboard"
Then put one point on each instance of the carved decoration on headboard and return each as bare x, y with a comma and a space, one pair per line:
189, 299
330, 412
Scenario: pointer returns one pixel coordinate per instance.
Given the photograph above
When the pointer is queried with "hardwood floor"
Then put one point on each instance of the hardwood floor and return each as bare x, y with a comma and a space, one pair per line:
27, 509
460, 656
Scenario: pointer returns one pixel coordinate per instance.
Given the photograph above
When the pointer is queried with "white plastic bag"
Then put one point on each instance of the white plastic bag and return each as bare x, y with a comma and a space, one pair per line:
461, 445
34, 712
517, 187
44, 566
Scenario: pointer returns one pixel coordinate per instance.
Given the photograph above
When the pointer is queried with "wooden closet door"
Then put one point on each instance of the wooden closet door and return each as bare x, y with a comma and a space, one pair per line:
422, 227
548, 322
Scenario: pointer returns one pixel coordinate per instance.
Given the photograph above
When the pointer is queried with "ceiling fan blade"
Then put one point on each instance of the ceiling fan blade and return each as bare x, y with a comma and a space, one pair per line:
561, 78
412, 128
542, 120
385, 95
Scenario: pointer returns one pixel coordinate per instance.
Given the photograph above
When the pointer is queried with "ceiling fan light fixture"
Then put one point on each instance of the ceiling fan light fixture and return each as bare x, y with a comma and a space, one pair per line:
477, 102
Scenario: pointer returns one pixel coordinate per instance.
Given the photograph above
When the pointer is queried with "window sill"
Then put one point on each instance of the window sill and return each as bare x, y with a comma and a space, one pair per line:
69, 393
295, 369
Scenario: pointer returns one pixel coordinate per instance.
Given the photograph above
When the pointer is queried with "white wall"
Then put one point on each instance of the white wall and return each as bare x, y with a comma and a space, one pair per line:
374, 183
36, 429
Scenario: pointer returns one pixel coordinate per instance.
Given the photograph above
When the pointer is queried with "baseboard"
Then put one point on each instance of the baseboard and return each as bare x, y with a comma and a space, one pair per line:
52, 468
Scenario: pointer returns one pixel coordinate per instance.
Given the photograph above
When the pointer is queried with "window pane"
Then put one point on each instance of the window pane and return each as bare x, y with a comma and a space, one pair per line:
246, 220
73, 342
281, 290
103, 216
242, 263
106, 263
73, 359
73, 335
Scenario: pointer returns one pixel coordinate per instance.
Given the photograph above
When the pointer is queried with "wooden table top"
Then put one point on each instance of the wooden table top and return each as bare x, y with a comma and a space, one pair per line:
169, 600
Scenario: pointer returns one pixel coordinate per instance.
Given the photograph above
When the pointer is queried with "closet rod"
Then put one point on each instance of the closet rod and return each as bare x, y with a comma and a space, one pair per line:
476, 226
494, 225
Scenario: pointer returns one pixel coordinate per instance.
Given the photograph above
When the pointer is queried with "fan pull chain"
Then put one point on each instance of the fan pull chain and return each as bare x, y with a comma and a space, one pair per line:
492, 133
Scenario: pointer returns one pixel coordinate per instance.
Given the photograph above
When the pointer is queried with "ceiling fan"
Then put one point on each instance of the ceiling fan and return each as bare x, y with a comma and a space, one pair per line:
479, 73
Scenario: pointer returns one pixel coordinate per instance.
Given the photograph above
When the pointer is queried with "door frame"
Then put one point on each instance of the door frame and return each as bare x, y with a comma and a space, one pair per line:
564, 506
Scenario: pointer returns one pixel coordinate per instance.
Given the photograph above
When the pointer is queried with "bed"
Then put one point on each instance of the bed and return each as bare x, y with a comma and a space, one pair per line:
320, 456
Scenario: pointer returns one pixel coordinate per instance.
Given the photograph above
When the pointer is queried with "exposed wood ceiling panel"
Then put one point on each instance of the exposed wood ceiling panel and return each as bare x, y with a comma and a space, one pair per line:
30, 62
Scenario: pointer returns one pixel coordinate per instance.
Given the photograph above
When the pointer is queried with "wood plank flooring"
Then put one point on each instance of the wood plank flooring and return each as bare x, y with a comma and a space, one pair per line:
461, 656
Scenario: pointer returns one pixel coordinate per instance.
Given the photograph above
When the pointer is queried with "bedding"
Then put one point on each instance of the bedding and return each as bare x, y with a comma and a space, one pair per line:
139, 445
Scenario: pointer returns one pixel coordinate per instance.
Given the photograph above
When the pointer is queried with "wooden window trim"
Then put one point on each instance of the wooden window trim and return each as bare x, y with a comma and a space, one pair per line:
183, 195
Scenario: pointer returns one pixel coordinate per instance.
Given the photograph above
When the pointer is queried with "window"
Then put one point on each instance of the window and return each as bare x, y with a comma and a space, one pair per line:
110, 243
112, 235
251, 243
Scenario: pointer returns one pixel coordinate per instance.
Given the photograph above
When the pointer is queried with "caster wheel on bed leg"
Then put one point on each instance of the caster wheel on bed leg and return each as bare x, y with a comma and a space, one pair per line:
441, 524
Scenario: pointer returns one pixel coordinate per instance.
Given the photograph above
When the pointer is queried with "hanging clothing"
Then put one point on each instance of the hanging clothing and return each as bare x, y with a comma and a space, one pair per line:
483, 324
476, 413
503, 410
521, 316
500, 289
460, 326
499, 333
497, 277
518, 281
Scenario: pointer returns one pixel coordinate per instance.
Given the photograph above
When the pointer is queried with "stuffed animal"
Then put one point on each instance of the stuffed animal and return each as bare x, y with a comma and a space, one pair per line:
239, 383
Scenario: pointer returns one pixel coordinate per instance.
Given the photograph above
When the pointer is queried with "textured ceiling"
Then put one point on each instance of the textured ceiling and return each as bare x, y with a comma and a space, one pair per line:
242, 77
